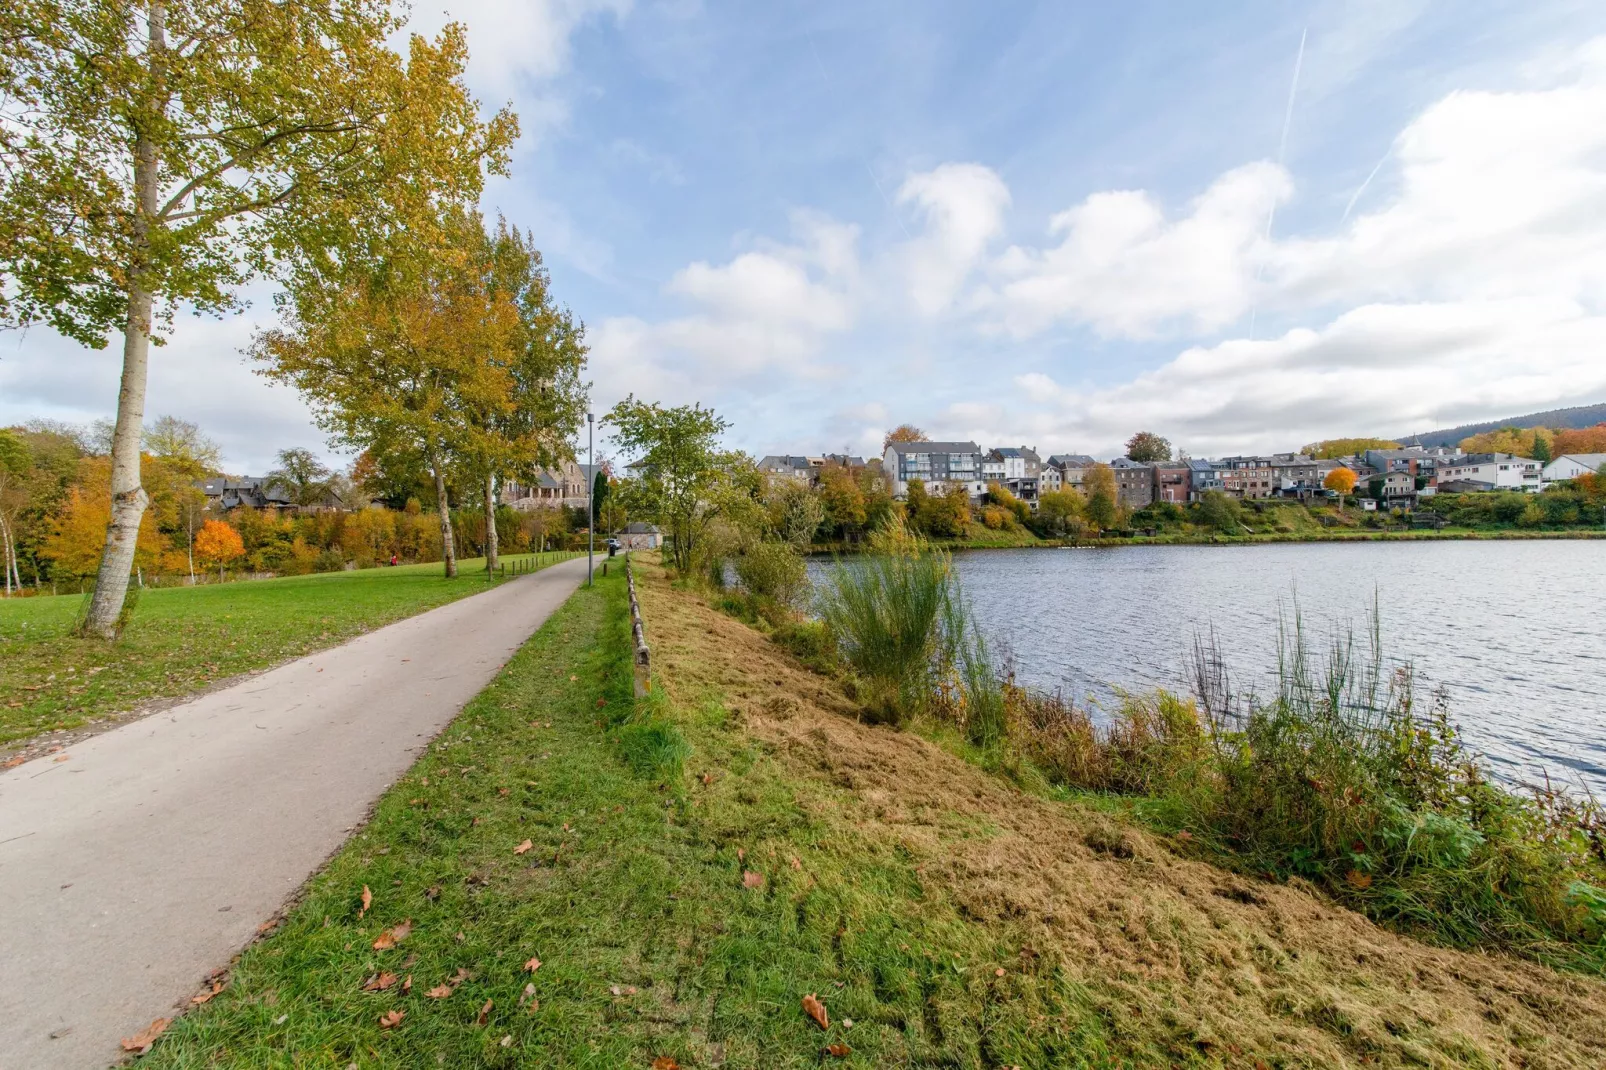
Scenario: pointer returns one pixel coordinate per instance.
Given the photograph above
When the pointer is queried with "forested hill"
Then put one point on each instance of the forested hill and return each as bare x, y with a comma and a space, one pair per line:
1578, 416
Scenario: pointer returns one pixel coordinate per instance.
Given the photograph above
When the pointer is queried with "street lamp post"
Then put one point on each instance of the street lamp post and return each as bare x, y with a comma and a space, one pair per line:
591, 487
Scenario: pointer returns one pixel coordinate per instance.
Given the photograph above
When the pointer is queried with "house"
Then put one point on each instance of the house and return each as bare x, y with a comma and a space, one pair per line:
1573, 465
1134, 482
565, 486
1501, 471
1203, 477
939, 465
1017, 468
789, 466
1297, 475
1064, 471
1173, 481
256, 492
1394, 488
639, 536
1248, 477
1417, 460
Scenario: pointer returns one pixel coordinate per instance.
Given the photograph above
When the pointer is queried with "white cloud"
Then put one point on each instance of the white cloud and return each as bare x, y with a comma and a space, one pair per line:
1122, 268
963, 208
765, 312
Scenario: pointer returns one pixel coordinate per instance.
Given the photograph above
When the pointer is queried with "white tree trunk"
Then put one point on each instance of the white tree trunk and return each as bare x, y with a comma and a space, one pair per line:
491, 548
448, 551
128, 495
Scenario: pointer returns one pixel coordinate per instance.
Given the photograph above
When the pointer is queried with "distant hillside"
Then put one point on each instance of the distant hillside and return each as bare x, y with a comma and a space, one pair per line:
1578, 416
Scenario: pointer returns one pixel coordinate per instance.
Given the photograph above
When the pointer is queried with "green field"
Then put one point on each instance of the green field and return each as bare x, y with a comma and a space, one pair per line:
184, 639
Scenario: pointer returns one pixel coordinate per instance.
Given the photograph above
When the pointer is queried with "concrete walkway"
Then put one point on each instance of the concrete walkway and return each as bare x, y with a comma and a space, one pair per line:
151, 855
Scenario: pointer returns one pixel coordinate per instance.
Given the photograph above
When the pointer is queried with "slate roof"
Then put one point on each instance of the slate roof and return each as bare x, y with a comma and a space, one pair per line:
934, 447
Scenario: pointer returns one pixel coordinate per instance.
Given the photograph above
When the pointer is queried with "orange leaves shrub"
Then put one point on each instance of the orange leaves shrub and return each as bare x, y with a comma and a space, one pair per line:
217, 545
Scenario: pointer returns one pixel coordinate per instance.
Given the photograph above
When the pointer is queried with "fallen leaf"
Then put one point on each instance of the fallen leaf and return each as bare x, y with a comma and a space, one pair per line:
504, 791
393, 936
521, 848
507, 1041
61, 757
841, 1051
816, 1010
664, 1062
407, 985
439, 992
615, 990
1358, 880
741, 854
708, 778
752, 880
379, 982
533, 965
998, 972
1184, 835
795, 863
485, 1014
367, 901
141, 1041
197, 1000
573, 677
391, 1019
13, 762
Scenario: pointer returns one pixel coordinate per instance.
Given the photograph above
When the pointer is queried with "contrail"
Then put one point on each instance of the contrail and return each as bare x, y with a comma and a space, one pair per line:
826, 77
1282, 152
1350, 207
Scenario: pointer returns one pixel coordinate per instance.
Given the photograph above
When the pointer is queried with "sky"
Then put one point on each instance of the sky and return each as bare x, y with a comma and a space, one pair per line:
1242, 226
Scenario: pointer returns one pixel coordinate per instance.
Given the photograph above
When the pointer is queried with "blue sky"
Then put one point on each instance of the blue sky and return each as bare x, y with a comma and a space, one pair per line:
1038, 223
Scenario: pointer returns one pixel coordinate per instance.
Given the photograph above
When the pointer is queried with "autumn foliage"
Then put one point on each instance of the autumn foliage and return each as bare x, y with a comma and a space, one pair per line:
217, 545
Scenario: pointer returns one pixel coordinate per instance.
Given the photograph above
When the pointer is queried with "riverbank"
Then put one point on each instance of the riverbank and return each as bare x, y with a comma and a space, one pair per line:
185, 640
1028, 541
576, 885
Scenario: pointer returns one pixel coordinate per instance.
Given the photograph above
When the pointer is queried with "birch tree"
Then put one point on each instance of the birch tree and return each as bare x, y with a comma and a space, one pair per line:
157, 154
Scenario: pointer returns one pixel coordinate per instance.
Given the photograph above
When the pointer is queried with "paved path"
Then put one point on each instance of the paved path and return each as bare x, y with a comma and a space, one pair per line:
150, 856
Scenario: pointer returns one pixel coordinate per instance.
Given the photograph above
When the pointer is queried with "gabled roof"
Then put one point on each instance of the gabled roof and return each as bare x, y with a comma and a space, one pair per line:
933, 447
1127, 462
784, 460
1588, 460
1071, 460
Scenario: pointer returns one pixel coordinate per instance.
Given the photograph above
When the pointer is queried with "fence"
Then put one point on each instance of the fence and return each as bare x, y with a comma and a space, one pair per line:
638, 634
524, 564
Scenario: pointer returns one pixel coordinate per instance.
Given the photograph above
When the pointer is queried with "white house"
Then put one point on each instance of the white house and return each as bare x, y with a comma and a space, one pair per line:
1499, 471
1573, 465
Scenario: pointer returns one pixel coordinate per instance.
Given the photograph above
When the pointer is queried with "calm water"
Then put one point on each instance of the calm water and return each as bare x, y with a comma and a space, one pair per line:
1515, 630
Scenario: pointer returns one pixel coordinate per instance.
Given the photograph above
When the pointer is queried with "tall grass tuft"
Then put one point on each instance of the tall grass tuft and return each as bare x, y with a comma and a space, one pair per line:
1342, 775
903, 628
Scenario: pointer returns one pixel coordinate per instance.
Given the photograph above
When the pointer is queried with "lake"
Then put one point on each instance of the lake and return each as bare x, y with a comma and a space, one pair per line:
1515, 630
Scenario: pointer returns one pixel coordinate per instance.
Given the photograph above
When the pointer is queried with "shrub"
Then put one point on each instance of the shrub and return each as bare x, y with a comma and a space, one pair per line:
773, 572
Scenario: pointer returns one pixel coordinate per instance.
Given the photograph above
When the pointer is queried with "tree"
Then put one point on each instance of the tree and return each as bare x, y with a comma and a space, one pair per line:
844, 501
1058, 511
1334, 448
1517, 441
600, 489
796, 513
159, 154
1341, 480
16, 465
1220, 512
1103, 509
409, 355
1148, 447
1579, 440
1541, 447
303, 475
183, 446
685, 480
903, 433
218, 544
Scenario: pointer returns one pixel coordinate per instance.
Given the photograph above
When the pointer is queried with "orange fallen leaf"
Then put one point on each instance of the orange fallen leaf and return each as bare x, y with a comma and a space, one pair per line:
141, 1041
1184, 835
521, 848
998, 972
393, 936
197, 1000
533, 965
407, 985
13, 762
664, 1062
367, 901
379, 982
841, 1051
391, 1019
485, 1014
795, 863
752, 880
1358, 880
439, 992
816, 1010
61, 757
708, 778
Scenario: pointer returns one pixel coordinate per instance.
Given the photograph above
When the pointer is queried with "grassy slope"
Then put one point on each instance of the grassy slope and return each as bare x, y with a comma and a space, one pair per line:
183, 639
955, 920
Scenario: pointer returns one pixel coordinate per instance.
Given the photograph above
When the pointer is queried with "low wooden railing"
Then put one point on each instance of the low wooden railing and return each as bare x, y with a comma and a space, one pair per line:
638, 634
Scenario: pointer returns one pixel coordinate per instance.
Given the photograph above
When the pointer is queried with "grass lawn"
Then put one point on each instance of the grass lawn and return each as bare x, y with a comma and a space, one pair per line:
586, 881
183, 639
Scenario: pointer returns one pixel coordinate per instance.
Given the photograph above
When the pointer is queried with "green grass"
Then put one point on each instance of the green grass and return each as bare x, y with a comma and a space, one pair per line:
184, 639
642, 822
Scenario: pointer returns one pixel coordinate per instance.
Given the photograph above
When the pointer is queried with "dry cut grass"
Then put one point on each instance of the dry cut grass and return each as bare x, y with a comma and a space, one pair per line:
1170, 954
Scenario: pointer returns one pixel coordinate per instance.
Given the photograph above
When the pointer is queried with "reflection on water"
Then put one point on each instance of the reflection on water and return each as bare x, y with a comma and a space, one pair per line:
1515, 630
